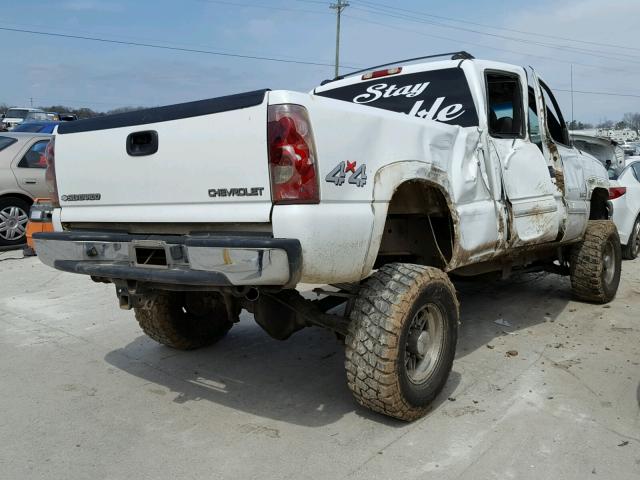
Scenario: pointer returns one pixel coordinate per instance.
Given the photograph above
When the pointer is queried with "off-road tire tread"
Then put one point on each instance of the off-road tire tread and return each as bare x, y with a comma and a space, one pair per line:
160, 323
586, 262
372, 345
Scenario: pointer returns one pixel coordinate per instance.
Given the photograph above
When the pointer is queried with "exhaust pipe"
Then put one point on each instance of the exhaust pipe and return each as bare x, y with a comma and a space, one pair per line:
252, 294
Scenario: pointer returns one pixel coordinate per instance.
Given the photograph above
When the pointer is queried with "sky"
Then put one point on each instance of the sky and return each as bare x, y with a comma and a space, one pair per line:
599, 38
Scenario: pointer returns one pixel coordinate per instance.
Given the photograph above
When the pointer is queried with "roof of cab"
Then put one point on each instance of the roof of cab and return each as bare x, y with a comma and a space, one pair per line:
357, 77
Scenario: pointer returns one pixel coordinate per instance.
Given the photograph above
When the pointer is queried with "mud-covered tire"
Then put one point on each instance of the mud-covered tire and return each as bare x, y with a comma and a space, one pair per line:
632, 248
379, 346
596, 262
186, 321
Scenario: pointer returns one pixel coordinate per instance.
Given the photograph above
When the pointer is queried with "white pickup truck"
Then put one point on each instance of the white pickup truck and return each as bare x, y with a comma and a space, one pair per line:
379, 183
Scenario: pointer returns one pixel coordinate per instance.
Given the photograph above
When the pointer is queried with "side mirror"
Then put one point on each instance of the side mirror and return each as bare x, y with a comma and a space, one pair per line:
2, 117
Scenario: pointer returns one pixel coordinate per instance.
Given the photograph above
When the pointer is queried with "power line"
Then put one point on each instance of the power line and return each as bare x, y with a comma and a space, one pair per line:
93, 32
467, 42
166, 47
301, 62
577, 50
524, 32
609, 94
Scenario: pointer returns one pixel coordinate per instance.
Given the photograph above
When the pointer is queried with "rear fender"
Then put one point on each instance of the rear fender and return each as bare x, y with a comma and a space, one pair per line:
387, 180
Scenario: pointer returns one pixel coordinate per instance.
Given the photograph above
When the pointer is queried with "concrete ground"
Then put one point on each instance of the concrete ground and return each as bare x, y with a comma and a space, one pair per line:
84, 395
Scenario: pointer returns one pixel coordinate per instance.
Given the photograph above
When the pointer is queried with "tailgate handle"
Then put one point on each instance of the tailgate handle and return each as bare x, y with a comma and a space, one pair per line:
143, 143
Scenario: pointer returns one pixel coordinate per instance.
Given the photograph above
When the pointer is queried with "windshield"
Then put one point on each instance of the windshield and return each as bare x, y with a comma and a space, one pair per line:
17, 113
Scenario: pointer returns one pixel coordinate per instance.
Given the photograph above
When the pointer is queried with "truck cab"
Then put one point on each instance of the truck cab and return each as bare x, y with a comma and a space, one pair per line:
531, 185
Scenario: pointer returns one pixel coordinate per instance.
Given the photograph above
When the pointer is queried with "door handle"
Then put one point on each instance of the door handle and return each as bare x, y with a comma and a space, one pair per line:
30, 181
142, 143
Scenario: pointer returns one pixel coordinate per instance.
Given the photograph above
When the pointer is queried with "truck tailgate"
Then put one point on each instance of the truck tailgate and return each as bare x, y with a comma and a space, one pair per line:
209, 165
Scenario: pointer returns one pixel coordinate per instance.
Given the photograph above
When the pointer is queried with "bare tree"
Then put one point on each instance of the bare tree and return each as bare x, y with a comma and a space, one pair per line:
632, 120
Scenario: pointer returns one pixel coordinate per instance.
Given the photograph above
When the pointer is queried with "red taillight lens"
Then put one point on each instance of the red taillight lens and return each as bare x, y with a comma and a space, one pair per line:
50, 174
292, 155
616, 192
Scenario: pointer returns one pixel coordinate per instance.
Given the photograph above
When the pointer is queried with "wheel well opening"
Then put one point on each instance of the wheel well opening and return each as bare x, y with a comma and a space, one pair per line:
419, 227
598, 206
26, 198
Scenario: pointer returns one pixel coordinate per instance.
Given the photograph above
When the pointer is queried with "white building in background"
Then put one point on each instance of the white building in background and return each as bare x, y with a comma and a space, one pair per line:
621, 136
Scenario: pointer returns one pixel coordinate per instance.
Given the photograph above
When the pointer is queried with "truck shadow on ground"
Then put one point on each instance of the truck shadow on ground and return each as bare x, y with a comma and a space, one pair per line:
302, 381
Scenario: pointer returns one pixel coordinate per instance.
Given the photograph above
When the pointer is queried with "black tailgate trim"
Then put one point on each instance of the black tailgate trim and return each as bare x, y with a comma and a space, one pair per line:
166, 113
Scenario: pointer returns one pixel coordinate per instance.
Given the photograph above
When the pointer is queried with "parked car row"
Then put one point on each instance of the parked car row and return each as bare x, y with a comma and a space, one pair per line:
15, 117
624, 179
22, 178
625, 197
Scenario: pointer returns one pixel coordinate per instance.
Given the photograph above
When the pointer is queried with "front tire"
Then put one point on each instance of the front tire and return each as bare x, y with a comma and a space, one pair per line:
186, 321
632, 248
402, 339
596, 263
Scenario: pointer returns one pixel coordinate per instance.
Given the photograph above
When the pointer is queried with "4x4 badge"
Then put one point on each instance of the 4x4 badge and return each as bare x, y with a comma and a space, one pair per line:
338, 174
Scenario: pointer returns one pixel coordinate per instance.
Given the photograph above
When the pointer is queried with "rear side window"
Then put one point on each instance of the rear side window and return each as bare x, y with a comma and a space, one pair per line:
506, 119
6, 141
636, 170
441, 95
35, 156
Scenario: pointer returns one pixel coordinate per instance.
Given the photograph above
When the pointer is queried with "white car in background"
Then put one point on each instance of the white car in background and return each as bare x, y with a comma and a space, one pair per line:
631, 159
625, 196
22, 179
17, 115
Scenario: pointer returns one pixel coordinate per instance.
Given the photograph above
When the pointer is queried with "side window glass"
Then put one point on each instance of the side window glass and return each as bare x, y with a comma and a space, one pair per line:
636, 170
555, 122
504, 98
35, 156
534, 121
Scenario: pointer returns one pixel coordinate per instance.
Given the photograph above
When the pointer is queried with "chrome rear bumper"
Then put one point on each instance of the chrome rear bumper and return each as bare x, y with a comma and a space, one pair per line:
197, 260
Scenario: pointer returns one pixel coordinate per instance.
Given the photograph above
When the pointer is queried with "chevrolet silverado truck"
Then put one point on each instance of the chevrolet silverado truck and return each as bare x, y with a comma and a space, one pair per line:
376, 185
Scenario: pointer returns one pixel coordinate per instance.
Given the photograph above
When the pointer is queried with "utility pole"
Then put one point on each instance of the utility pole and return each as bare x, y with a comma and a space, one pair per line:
572, 117
338, 7
31, 99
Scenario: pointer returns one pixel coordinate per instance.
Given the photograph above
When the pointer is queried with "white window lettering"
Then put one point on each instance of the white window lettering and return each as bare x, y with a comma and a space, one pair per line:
403, 91
450, 113
374, 92
426, 114
389, 92
418, 89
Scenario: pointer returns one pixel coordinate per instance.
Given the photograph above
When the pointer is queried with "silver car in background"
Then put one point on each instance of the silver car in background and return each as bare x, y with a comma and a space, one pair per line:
22, 178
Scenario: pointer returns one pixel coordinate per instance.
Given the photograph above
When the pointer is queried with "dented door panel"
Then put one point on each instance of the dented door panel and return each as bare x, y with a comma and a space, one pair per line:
530, 192
568, 166
575, 192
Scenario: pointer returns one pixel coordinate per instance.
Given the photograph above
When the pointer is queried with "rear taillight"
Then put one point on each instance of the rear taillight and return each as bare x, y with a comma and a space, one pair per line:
292, 155
50, 174
382, 73
616, 192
